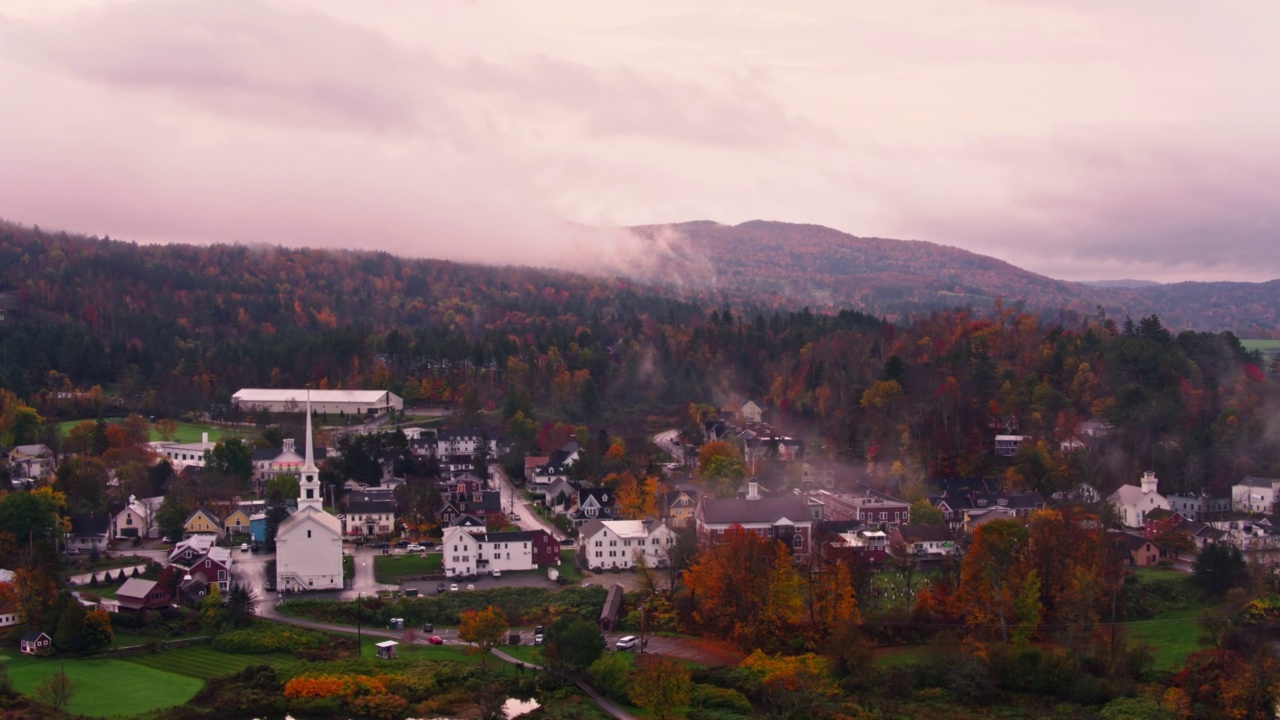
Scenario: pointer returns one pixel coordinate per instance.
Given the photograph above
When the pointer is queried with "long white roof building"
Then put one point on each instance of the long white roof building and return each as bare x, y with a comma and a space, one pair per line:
350, 402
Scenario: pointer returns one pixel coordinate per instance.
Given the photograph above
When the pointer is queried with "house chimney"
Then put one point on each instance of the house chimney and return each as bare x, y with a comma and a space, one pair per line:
1149, 482
753, 490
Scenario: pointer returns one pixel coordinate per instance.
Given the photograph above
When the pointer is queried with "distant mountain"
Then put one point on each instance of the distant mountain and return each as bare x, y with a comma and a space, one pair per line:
1119, 283
829, 269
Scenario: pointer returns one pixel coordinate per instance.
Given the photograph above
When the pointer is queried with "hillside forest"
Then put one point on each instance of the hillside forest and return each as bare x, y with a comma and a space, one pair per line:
100, 326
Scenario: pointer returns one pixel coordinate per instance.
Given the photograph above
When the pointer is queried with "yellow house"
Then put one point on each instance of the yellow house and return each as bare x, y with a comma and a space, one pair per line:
237, 521
202, 521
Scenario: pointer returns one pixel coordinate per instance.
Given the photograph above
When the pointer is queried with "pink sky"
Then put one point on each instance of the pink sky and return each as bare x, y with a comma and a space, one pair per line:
1082, 139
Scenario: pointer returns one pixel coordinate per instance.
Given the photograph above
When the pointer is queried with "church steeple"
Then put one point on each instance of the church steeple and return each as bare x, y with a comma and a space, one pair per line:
309, 482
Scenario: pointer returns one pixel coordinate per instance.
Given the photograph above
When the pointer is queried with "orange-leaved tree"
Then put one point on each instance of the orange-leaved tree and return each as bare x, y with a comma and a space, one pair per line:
485, 628
745, 588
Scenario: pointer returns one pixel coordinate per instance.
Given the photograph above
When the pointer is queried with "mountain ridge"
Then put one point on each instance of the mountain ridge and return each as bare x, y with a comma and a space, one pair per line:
830, 269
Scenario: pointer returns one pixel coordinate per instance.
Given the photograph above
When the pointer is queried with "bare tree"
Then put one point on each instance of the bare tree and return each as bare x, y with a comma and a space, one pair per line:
55, 690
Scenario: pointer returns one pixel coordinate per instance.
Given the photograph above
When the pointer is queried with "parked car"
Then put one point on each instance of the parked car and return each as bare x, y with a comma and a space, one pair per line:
568, 542
453, 587
537, 639
244, 547
513, 639
414, 547
428, 627
402, 544
435, 640
441, 588
471, 577
380, 545
615, 569
471, 587
626, 643
497, 572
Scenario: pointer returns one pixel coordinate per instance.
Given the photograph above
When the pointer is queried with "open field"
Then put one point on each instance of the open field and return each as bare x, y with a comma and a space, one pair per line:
108, 687
186, 432
1172, 636
388, 568
203, 662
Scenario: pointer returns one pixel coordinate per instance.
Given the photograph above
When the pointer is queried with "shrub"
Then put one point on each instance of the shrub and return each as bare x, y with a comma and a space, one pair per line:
269, 639
710, 697
610, 674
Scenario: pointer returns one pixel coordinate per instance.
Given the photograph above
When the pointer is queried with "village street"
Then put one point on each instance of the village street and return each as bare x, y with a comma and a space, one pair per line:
514, 501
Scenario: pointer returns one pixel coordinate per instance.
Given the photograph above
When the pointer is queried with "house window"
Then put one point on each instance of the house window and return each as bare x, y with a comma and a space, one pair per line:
797, 541
884, 516
308, 533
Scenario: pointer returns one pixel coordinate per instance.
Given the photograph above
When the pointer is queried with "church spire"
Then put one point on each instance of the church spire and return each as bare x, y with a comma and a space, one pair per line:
310, 463
309, 483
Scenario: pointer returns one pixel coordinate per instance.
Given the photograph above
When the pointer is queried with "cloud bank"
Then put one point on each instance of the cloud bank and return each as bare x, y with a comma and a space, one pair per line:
1079, 140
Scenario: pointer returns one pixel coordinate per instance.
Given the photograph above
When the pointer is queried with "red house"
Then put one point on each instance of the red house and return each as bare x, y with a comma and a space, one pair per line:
546, 549
1160, 520
137, 595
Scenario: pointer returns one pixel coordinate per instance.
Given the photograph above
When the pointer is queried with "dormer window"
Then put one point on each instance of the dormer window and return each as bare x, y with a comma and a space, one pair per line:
1002, 501
982, 503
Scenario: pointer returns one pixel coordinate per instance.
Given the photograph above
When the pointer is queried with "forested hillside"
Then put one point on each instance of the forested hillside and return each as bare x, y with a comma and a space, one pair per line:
166, 329
895, 278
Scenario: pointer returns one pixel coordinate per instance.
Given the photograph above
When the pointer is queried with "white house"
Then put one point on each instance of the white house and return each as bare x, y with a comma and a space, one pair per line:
1133, 502
309, 542
466, 552
750, 412
1255, 495
620, 543
137, 519
182, 455
34, 461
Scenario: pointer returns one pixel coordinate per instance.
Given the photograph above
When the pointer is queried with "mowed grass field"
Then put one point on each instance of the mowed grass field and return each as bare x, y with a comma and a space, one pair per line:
388, 568
108, 687
1172, 636
203, 662
185, 432
127, 686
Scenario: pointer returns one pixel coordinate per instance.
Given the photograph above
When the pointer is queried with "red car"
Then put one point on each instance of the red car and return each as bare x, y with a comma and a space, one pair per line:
435, 640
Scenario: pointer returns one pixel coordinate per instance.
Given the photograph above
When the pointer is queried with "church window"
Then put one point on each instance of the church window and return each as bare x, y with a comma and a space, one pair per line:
308, 533
310, 493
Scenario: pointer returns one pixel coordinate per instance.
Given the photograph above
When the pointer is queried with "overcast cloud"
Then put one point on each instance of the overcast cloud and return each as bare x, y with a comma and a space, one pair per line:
1082, 139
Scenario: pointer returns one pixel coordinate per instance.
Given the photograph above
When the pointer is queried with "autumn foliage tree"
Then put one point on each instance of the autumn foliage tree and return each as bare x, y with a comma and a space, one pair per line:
486, 628
745, 588
720, 468
660, 684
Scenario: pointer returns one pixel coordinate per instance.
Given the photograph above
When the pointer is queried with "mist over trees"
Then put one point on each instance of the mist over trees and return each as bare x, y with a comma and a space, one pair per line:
102, 326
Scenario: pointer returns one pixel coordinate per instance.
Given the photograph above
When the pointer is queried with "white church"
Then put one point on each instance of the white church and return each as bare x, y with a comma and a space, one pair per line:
309, 542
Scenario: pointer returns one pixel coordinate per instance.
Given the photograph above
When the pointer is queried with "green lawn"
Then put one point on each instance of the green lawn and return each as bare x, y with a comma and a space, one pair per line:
388, 568
185, 433
108, 688
1172, 636
568, 568
1158, 575
203, 662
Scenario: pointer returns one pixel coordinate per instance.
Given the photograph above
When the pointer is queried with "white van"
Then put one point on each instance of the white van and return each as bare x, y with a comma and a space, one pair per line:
626, 643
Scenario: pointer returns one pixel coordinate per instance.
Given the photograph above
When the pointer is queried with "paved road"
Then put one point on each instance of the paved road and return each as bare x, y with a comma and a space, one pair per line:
512, 500
668, 442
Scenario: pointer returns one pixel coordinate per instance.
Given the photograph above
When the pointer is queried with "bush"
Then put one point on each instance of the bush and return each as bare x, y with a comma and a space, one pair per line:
710, 697
268, 639
610, 675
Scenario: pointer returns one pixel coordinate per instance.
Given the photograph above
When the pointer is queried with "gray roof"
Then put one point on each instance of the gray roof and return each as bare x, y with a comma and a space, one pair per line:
1258, 482
765, 510
925, 533
366, 503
